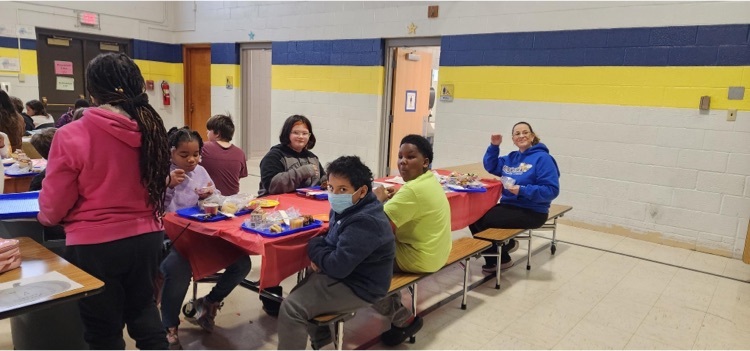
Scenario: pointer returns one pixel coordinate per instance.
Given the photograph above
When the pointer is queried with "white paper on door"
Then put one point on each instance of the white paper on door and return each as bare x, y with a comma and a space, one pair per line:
65, 83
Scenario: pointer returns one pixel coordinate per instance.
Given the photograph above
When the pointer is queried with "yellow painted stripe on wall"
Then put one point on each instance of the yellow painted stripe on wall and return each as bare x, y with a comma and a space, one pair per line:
333, 79
220, 72
635, 86
159, 71
27, 60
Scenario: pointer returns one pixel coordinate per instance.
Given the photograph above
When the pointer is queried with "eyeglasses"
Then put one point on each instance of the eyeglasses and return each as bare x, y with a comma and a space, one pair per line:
524, 133
301, 134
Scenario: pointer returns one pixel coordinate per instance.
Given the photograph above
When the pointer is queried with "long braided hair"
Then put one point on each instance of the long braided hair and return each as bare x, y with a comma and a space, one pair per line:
116, 80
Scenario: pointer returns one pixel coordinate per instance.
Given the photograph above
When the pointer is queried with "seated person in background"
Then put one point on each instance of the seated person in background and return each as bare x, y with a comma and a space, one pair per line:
18, 104
41, 142
224, 162
524, 205
11, 123
358, 252
67, 117
421, 217
290, 165
4, 146
186, 175
39, 115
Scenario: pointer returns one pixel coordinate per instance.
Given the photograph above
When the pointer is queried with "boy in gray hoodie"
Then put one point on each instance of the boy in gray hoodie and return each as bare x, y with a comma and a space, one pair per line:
352, 265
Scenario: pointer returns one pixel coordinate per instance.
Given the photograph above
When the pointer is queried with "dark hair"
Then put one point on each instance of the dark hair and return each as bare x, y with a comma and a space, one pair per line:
536, 138
11, 122
422, 144
42, 141
114, 79
17, 103
77, 114
38, 107
222, 125
81, 103
178, 136
287, 129
351, 168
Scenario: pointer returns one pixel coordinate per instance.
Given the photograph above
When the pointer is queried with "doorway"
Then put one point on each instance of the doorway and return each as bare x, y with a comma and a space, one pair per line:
256, 100
62, 58
197, 62
411, 79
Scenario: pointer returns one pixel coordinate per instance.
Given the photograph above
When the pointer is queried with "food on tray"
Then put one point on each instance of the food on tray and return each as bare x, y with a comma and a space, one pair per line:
275, 228
263, 203
295, 223
211, 208
229, 207
8, 161
307, 220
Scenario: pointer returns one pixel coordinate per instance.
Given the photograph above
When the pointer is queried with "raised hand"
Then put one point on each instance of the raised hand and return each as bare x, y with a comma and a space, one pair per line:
496, 139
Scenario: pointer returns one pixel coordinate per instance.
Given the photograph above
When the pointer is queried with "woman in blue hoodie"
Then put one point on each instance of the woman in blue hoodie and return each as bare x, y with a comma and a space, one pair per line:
526, 203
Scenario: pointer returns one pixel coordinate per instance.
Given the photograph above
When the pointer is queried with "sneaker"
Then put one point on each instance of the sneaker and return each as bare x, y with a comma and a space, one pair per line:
506, 265
173, 339
206, 313
397, 335
513, 245
489, 268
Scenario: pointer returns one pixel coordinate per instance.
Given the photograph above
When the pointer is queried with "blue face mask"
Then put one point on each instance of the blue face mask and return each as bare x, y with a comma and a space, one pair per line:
340, 202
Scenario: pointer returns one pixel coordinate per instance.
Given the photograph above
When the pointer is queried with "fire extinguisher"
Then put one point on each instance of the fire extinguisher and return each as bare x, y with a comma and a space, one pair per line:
165, 93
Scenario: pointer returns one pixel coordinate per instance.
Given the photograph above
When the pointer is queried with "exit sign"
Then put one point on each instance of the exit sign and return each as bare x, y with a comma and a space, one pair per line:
88, 19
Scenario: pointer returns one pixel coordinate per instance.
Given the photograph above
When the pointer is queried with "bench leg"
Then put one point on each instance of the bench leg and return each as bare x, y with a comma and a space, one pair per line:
497, 271
338, 338
528, 253
466, 283
413, 291
553, 248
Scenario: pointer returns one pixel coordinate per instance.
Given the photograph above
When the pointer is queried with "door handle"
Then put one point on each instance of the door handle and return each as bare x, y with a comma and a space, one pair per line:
191, 108
44, 100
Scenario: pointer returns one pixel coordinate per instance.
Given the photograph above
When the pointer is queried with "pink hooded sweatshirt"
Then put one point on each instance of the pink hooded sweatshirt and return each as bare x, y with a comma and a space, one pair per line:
93, 183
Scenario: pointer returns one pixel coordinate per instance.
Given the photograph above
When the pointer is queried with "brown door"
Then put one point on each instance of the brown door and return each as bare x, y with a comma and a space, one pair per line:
62, 58
412, 75
61, 72
746, 253
197, 87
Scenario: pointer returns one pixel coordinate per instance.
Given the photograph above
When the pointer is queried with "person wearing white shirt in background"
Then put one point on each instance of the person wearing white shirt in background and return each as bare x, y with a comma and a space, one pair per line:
38, 113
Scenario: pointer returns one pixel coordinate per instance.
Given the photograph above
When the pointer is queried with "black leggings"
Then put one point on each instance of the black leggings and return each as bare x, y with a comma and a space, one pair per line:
507, 216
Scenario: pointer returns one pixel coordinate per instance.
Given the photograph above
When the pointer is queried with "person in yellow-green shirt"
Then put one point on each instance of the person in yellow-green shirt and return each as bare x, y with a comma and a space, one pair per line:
421, 219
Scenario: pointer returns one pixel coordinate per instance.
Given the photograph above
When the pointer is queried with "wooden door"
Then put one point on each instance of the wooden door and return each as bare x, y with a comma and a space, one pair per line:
197, 61
256, 101
412, 76
61, 72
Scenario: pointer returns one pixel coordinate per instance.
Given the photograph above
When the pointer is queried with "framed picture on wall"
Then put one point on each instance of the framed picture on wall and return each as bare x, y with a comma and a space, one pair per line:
411, 101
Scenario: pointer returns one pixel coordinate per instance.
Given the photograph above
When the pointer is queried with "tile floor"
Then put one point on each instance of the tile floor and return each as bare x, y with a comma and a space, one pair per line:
585, 297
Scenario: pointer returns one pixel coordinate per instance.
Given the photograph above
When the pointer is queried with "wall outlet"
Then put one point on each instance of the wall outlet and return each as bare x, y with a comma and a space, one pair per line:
731, 115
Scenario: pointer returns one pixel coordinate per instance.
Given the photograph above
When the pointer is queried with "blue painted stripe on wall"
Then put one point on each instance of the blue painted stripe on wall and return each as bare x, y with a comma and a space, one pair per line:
350, 52
10, 42
225, 53
722, 45
153, 51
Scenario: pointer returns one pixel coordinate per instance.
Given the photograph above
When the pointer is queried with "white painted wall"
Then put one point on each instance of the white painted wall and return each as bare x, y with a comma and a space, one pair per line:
231, 21
666, 170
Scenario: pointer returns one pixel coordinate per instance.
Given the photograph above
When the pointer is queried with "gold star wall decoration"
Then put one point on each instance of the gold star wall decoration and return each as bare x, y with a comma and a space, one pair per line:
412, 28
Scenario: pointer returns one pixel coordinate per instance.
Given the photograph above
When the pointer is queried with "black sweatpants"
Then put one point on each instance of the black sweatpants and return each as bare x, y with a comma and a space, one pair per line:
507, 216
127, 267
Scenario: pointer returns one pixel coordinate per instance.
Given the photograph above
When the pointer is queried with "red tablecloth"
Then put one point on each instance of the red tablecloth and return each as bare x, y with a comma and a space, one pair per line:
211, 246
467, 208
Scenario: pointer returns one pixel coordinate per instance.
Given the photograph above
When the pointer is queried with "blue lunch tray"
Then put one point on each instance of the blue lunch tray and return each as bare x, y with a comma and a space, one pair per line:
303, 192
285, 229
19, 205
196, 214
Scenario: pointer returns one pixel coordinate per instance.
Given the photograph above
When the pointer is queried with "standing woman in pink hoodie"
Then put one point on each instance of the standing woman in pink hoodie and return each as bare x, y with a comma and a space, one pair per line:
105, 184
